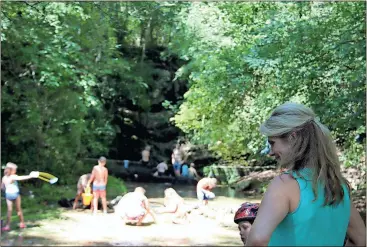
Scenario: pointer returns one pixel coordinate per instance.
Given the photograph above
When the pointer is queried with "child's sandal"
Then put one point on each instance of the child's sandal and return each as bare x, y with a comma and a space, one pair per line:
5, 228
22, 225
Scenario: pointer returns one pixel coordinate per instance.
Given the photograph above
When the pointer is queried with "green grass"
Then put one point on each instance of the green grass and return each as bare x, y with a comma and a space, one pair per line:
44, 204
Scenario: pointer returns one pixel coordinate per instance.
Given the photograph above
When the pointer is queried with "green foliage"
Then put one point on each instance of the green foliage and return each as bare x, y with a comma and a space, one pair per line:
44, 203
351, 155
68, 67
262, 55
52, 114
115, 187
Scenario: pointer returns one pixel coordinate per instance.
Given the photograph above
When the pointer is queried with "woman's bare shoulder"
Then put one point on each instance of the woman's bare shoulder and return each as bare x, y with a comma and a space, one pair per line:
283, 181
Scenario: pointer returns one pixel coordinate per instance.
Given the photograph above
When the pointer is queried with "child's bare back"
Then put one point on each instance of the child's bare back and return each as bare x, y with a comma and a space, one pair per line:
99, 178
100, 175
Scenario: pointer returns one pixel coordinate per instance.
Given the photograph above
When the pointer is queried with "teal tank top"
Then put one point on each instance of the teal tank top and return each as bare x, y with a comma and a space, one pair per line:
311, 223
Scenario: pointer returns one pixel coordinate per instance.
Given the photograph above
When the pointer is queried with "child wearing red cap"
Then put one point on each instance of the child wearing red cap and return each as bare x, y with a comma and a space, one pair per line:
245, 217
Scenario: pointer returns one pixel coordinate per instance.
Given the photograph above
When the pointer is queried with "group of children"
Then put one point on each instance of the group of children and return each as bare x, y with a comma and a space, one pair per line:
133, 206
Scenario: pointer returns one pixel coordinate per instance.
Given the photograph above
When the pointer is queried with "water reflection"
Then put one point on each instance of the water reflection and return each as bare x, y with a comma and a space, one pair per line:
11, 240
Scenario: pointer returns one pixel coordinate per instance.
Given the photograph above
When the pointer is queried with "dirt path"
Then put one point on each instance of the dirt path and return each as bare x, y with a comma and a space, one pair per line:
80, 228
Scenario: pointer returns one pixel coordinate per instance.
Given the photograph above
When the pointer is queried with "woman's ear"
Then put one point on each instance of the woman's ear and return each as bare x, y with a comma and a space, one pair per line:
292, 136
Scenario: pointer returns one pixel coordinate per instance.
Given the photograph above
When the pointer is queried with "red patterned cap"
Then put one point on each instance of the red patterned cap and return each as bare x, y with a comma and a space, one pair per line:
247, 211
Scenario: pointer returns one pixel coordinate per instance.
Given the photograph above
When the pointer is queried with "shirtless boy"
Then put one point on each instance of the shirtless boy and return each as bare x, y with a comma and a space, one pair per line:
203, 189
99, 178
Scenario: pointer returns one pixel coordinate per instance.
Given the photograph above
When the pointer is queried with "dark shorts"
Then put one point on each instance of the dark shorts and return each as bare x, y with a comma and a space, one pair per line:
204, 196
177, 166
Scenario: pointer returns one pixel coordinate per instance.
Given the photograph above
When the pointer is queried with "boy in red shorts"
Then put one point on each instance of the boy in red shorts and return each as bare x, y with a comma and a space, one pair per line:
99, 178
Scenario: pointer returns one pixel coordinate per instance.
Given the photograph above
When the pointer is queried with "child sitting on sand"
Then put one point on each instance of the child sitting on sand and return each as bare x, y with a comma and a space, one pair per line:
10, 183
174, 204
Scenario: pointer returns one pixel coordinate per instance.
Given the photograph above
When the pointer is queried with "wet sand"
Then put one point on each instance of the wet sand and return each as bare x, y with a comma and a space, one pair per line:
213, 228
83, 228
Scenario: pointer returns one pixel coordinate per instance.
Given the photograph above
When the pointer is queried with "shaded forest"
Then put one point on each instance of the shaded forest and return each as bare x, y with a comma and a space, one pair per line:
85, 79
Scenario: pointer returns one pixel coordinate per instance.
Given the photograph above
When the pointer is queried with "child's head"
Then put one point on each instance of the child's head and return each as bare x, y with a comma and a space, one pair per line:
170, 193
213, 182
244, 217
102, 161
10, 169
140, 190
192, 164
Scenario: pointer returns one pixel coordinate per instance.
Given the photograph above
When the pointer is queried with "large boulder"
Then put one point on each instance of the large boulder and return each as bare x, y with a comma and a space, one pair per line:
254, 180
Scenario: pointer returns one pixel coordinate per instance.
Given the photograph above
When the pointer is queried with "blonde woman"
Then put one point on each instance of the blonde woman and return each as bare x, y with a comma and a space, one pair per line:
174, 204
310, 203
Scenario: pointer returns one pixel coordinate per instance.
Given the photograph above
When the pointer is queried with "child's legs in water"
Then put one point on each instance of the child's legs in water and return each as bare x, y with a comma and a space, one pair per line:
18, 202
9, 204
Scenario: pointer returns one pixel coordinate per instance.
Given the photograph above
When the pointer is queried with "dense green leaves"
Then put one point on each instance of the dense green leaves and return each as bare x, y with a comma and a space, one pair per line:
68, 67
313, 53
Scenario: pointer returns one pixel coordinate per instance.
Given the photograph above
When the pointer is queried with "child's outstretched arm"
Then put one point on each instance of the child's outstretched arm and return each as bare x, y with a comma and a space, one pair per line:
147, 207
171, 208
19, 178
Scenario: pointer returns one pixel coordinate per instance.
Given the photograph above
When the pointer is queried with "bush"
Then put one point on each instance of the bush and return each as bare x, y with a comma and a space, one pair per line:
115, 187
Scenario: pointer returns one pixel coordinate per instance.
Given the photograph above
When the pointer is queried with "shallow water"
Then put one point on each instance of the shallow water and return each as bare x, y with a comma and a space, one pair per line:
156, 190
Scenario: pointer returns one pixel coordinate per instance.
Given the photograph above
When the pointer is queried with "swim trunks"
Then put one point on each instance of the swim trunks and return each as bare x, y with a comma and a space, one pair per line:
11, 196
203, 195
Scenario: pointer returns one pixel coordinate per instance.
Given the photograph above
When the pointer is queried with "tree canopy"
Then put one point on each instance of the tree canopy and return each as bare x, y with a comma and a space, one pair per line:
67, 66
247, 58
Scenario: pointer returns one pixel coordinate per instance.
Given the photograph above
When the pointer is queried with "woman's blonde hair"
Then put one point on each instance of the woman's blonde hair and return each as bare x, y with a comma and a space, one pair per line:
170, 193
9, 167
312, 147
